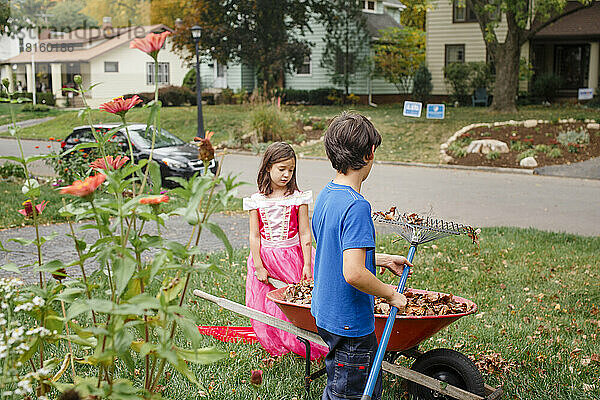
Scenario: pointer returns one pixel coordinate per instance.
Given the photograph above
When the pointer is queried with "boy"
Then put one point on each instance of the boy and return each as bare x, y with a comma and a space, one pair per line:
344, 272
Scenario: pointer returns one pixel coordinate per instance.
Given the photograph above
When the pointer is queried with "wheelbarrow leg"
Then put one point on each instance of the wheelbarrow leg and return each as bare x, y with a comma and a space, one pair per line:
308, 377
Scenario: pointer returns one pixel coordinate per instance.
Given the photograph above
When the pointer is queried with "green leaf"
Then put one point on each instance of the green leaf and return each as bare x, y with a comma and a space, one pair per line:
183, 369
190, 330
88, 145
87, 342
155, 176
177, 248
11, 267
205, 355
71, 294
122, 340
76, 309
52, 236
53, 322
218, 232
13, 158
51, 266
123, 269
172, 290
22, 242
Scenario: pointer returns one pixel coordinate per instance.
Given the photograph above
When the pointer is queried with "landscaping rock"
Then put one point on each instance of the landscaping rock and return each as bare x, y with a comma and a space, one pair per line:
486, 146
593, 125
530, 123
528, 162
308, 128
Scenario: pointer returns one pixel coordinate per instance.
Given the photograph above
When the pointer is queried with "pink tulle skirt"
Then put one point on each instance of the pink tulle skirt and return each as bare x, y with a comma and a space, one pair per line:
286, 265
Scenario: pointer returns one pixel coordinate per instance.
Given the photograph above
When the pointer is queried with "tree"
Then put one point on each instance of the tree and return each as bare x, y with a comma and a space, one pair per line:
263, 34
122, 12
22, 14
346, 40
4, 15
398, 54
523, 22
66, 15
415, 13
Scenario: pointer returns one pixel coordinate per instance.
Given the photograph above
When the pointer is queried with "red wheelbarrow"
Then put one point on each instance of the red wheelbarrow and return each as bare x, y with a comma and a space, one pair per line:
436, 374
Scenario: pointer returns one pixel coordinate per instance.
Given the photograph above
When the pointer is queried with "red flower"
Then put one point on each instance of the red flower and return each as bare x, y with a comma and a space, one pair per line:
256, 377
113, 162
29, 210
205, 150
85, 188
51, 138
151, 44
154, 199
120, 106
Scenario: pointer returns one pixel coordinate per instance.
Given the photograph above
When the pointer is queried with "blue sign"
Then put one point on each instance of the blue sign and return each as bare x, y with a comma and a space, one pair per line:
412, 109
435, 111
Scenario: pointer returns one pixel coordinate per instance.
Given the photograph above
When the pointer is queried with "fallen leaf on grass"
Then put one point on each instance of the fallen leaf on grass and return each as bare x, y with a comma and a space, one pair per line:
588, 388
493, 363
595, 358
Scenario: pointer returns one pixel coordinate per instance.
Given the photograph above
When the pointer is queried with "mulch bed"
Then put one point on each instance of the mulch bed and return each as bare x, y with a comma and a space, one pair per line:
529, 137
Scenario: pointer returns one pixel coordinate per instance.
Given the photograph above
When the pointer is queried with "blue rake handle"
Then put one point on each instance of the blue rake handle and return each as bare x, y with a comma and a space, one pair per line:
385, 337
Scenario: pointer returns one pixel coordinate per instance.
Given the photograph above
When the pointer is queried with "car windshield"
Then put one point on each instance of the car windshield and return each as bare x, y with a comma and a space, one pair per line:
163, 138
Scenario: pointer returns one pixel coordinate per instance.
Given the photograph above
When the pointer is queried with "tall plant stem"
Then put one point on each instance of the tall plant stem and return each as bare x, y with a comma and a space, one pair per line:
38, 244
130, 150
155, 127
187, 278
62, 305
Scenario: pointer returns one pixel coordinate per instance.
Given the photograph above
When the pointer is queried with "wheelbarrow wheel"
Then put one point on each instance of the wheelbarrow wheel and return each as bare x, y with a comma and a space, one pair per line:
449, 366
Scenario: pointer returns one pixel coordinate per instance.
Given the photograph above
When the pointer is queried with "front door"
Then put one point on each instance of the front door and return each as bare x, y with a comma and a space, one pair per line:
571, 63
220, 81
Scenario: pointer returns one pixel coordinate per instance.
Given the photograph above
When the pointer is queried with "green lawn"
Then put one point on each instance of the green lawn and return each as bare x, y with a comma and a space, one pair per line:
539, 308
5, 116
404, 138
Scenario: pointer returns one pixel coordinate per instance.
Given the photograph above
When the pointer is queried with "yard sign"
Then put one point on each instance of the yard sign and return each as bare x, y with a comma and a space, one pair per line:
412, 109
585, 94
435, 111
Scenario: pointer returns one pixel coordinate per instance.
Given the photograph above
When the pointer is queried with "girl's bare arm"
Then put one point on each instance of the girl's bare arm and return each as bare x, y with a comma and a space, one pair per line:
254, 238
305, 241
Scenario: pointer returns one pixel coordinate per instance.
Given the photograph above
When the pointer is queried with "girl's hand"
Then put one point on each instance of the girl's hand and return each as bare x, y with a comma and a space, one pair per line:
395, 264
261, 274
307, 273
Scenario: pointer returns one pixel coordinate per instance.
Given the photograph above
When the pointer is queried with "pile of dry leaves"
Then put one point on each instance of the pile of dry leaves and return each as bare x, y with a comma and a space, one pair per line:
419, 304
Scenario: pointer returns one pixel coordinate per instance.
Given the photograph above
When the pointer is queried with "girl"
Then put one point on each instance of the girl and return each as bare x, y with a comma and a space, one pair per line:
280, 244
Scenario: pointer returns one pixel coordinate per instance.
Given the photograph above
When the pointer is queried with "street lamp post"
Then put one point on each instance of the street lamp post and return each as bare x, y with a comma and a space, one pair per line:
196, 32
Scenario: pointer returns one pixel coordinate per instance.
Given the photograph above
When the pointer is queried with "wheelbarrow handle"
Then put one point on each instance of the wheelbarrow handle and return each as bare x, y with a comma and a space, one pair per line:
387, 331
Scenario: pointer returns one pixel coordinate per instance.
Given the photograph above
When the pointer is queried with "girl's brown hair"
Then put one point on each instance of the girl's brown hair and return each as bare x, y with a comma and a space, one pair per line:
276, 152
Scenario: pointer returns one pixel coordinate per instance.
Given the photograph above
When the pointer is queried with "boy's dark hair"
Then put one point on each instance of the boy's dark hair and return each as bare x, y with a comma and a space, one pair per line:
276, 152
349, 140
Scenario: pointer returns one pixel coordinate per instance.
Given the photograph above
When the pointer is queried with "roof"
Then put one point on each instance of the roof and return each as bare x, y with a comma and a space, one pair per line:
376, 22
393, 3
120, 36
582, 23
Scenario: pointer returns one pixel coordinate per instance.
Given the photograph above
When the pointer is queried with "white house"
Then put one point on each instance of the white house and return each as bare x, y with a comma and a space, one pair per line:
101, 56
11, 46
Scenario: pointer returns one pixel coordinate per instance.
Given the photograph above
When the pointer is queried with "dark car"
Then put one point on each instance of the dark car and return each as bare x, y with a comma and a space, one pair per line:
175, 157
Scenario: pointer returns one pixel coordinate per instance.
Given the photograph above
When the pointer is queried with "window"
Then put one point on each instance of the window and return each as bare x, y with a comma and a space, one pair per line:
368, 5
111, 66
163, 73
461, 12
341, 65
304, 69
21, 45
455, 53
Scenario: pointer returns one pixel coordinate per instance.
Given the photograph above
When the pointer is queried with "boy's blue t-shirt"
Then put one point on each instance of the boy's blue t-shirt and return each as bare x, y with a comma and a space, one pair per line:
341, 220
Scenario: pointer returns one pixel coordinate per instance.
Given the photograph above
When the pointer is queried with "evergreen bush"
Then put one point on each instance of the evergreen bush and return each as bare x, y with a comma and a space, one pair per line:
422, 85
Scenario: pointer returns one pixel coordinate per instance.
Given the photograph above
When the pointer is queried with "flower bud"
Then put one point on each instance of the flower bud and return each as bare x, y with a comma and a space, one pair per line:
256, 377
77, 79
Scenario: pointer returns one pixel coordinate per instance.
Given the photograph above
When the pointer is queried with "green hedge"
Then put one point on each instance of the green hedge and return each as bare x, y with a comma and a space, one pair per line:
322, 96
40, 97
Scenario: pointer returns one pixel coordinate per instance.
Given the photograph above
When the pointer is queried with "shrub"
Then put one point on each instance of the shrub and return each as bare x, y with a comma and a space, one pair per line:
353, 99
319, 125
457, 75
40, 97
457, 150
174, 95
481, 75
542, 148
293, 96
555, 153
492, 155
189, 80
271, 123
517, 146
226, 96
35, 108
526, 153
422, 85
323, 96
578, 137
546, 86
76, 165
8, 170
240, 96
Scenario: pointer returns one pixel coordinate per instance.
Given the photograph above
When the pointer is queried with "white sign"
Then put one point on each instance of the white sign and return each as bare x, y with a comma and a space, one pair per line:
585, 94
412, 109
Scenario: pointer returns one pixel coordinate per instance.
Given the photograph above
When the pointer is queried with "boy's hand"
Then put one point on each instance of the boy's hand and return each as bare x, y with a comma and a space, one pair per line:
261, 274
394, 263
397, 300
307, 273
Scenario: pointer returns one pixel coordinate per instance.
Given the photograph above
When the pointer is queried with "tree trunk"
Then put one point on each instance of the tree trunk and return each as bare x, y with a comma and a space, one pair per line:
507, 56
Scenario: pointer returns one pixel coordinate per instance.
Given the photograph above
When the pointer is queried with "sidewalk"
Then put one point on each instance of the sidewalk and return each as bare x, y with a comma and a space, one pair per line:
26, 123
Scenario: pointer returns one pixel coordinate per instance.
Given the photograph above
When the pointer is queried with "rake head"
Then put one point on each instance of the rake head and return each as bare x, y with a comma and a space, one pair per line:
418, 230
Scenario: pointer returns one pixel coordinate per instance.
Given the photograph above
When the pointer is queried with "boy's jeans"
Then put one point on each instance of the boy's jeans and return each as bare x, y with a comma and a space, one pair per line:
348, 364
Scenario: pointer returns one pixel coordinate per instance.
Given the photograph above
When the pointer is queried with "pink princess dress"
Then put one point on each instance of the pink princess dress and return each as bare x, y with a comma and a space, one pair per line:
281, 255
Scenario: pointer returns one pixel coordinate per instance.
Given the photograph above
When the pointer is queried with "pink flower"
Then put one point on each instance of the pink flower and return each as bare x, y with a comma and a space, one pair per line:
119, 105
114, 163
256, 377
155, 199
84, 188
29, 211
151, 44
